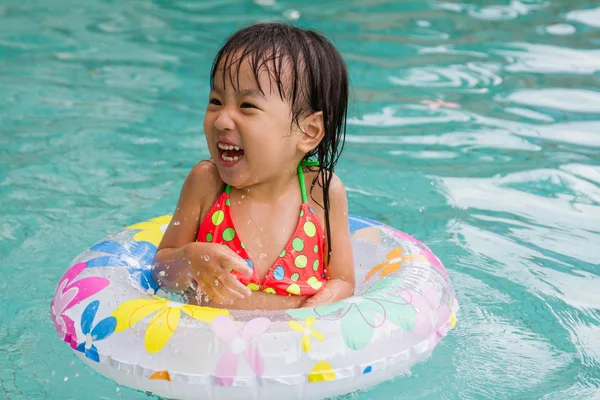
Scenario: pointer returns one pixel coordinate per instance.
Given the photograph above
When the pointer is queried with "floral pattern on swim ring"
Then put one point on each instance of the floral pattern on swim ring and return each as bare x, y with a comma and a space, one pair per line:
429, 312
69, 293
162, 375
103, 329
424, 249
137, 260
240, 344
360, 315
393, 263
165, 321
151, 231
307, 332
322, 371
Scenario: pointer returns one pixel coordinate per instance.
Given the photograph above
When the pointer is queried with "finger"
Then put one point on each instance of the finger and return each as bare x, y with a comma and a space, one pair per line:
221, 284
230, 259
216, 296
211, 289
232, 283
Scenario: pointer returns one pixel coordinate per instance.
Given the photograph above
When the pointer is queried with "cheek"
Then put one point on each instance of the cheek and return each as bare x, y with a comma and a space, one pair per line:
208, 122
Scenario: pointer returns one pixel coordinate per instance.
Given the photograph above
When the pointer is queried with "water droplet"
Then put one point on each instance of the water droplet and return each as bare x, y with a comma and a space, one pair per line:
118, 389
77, 375
432, 183
263, 255
162, 273
66, 378
72, 362
53, 373
421, 209
176, 223
207, 258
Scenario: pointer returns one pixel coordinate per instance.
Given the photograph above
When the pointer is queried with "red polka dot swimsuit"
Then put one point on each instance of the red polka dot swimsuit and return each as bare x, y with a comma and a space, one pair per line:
298, 270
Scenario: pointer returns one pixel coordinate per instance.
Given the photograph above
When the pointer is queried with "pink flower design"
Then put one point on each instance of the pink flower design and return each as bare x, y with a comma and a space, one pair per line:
429, 317
227, 365
68, 294
424, 250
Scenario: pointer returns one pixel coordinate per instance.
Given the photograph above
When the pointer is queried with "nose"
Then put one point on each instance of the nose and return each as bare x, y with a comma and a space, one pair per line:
224, 122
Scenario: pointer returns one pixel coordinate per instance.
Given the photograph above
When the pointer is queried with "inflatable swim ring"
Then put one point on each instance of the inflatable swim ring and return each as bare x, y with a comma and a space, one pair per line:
107, 308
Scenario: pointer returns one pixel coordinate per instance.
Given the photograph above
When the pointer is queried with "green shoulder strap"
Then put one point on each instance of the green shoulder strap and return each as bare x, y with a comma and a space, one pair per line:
309, 163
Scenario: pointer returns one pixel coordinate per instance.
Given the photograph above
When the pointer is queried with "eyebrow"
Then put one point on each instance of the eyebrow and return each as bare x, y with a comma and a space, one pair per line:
246, 92
252, 93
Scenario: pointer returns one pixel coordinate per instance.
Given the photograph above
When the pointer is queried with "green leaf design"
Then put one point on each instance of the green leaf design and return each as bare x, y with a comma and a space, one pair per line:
403, 316
356, 332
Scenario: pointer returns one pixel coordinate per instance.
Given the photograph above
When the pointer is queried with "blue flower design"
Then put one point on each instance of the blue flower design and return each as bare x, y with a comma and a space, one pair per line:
102, 330
357, 223
137, 259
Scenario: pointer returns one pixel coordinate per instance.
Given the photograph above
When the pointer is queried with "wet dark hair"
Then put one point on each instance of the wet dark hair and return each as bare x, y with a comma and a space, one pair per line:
318, 82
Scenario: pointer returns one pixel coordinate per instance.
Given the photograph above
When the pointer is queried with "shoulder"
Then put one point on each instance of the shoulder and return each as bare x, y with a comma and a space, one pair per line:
338, 202
315, 181
337, 190
204, 181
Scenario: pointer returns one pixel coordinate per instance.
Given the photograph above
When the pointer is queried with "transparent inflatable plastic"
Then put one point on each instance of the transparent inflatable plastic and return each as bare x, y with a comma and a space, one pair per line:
108, 309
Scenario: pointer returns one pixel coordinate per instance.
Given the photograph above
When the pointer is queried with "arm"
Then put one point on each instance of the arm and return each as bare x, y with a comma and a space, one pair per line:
171, 270
181, 262
340, 269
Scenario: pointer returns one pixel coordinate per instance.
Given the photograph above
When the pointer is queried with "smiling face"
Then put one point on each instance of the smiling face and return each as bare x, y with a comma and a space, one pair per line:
250, 134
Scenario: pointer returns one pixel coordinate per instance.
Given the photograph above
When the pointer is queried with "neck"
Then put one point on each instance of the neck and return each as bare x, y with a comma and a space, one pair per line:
273, 190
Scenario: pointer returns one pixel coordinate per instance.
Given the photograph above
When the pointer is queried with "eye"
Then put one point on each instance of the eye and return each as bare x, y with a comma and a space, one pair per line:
247, 105
214, 101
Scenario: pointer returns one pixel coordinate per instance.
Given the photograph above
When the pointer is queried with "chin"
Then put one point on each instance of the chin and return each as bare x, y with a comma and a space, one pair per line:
235, 177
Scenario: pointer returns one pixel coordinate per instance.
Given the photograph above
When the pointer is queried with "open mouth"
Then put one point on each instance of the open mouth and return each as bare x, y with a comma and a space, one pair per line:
229, 153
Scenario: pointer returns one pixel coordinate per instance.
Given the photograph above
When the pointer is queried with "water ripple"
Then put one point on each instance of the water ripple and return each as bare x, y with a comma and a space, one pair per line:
473, 126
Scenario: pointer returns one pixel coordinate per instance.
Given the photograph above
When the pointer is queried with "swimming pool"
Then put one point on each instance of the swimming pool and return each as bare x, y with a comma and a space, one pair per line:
474, 127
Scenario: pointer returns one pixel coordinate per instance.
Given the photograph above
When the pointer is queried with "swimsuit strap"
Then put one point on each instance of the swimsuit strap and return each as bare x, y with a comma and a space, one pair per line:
308, 163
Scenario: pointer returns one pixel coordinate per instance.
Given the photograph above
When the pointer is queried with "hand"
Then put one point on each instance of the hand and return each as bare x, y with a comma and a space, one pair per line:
321, 298
210, 266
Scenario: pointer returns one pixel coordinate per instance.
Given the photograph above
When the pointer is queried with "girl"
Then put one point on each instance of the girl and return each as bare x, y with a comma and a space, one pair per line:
248, 228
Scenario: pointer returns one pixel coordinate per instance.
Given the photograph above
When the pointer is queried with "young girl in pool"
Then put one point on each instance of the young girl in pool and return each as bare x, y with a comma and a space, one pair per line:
263, 224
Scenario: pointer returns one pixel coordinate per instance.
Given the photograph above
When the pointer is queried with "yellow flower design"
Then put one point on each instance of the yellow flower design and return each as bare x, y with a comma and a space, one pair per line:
151, 231
453, 319
394, 262
164, 323
306, 332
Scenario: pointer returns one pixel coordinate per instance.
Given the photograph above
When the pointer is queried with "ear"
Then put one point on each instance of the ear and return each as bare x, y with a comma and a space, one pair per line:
313, 131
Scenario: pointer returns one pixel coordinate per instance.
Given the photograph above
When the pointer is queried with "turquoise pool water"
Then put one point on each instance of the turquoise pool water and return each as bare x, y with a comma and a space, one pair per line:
474, 126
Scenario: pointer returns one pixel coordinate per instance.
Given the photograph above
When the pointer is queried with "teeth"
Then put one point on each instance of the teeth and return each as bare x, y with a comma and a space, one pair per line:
227, 147
225, 158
